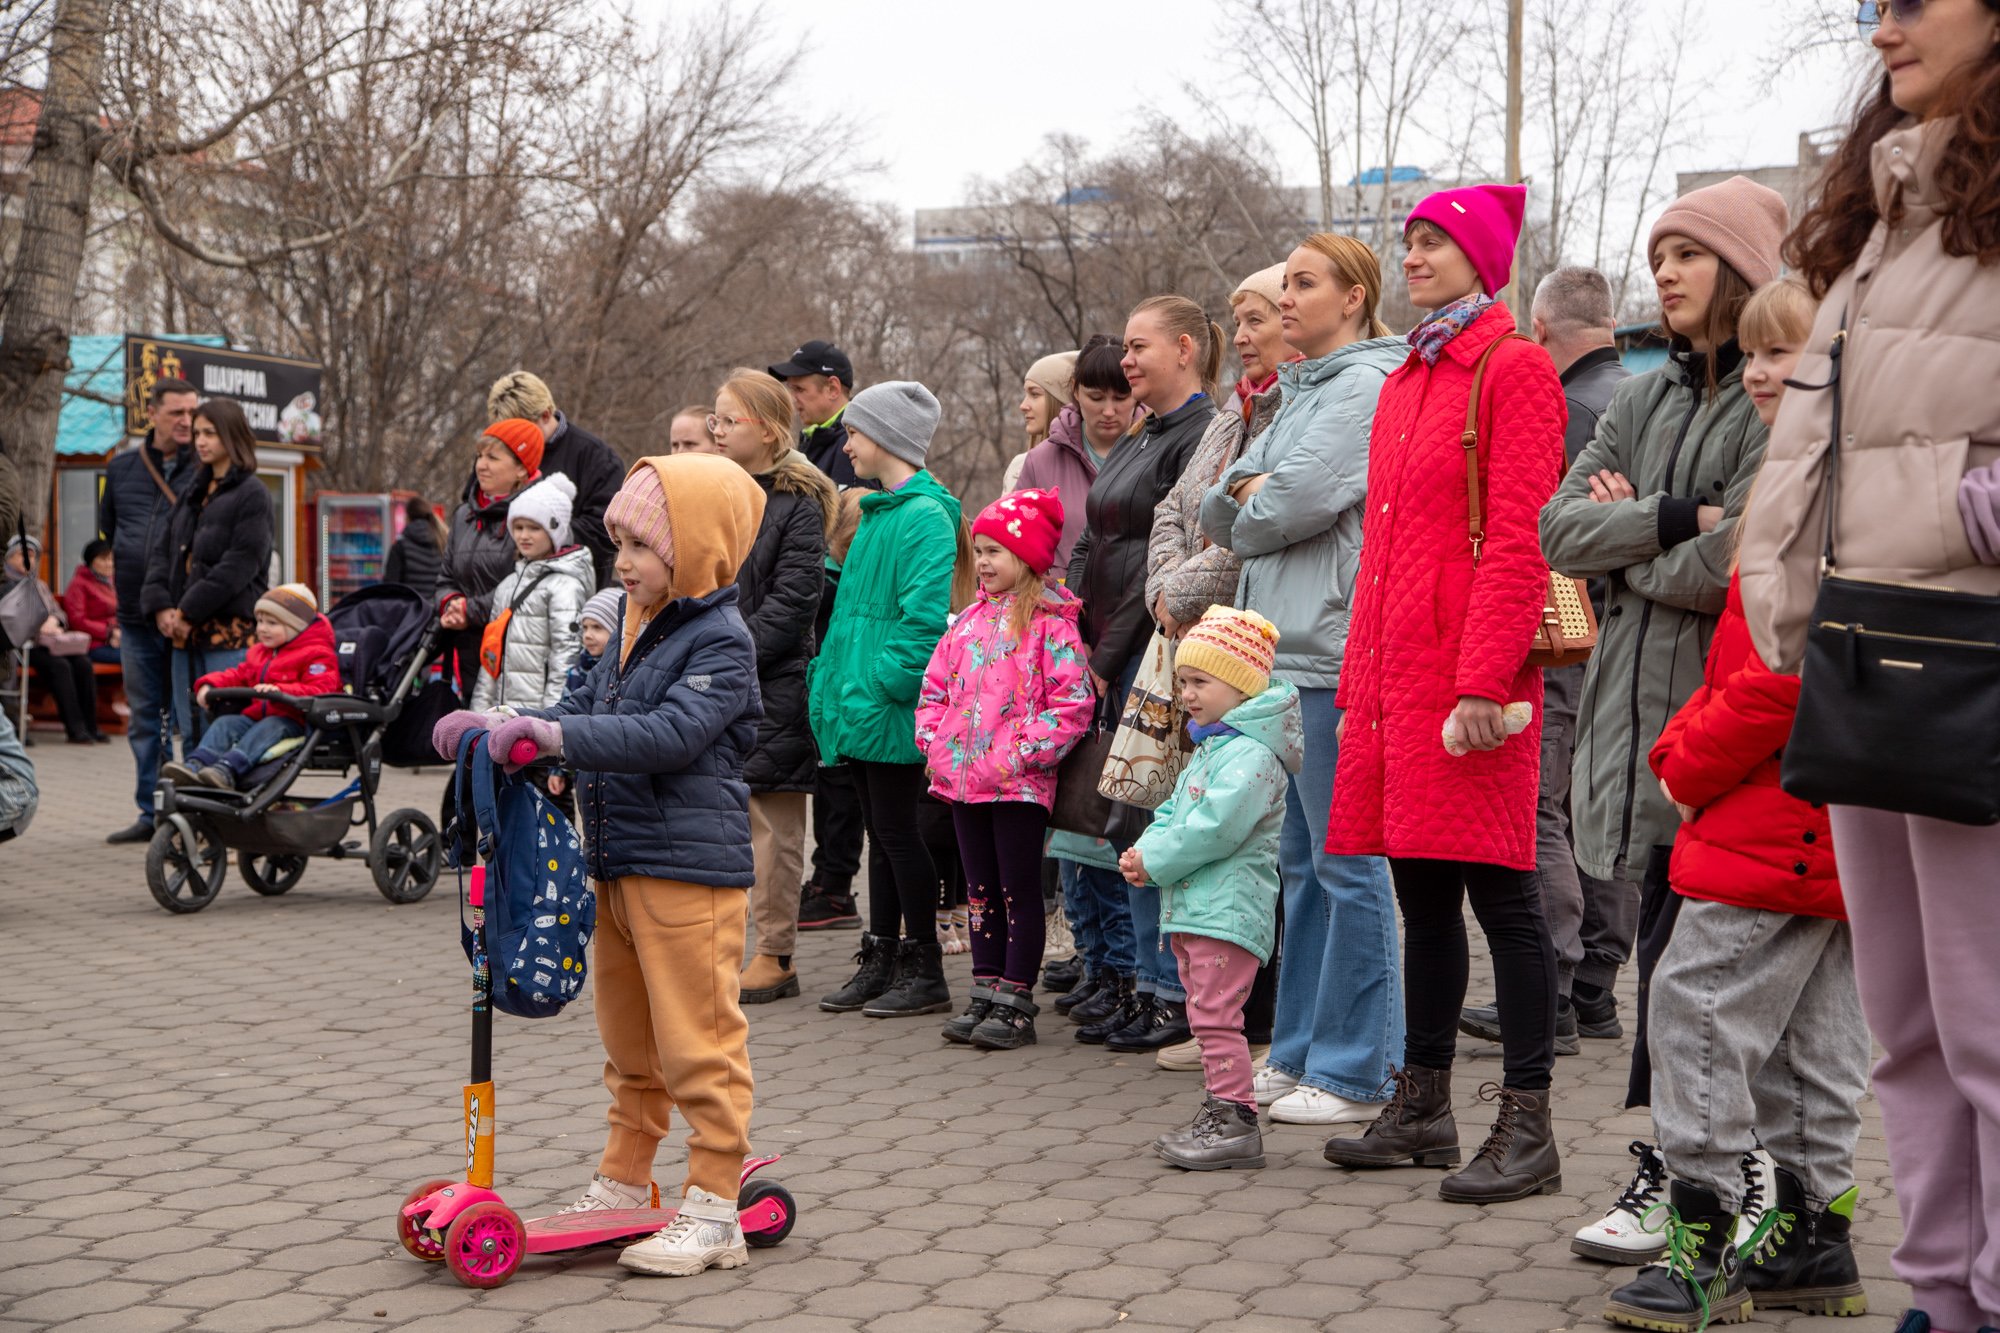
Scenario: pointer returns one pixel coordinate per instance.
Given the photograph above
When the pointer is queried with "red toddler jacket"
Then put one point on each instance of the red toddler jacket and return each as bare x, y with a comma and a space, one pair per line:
1751, 845
309, 664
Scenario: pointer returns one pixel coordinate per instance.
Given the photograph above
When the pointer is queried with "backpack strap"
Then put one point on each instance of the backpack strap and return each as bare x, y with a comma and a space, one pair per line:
1469, 440
485, 778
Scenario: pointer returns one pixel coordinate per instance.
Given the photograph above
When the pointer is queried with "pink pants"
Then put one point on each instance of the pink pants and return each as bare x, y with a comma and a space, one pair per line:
1217, 975
1924, 899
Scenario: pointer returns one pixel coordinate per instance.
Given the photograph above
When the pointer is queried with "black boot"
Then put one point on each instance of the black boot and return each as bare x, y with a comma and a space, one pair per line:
1596, 1011
1799, 1258
877, 956
1163, 1024
1101, 1005
1124, 1006
1519, 1155
1010, 1021
1700, 1282
1083, 993
918, 987
1062, 977
1414, 1128
960, 1029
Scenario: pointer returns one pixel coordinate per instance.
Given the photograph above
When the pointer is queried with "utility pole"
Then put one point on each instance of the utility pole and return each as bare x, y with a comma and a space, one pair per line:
1516, 20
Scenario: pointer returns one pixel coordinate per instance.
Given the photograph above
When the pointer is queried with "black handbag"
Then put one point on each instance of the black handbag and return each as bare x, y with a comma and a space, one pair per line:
1079, 806
1899, 699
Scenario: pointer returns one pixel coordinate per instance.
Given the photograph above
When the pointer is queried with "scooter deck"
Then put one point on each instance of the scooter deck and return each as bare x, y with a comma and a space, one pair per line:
574, 1231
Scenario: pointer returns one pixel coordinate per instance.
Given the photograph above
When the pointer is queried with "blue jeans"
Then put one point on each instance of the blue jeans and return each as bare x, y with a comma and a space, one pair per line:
190, 665
142, 657
237, 743
1101, 915
1158, 971
1340, 1002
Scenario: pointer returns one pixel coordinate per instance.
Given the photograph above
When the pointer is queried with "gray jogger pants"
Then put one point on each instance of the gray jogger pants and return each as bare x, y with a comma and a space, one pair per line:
1756, 1032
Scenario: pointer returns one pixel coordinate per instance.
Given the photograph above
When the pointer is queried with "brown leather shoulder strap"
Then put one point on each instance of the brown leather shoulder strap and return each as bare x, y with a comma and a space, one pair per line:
1469, 440
153, 471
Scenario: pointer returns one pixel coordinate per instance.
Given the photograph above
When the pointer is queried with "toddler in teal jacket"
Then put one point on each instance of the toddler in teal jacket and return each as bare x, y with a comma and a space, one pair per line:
1213, 850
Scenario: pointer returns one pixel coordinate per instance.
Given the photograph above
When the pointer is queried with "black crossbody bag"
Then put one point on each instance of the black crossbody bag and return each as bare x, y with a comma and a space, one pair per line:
1899, 701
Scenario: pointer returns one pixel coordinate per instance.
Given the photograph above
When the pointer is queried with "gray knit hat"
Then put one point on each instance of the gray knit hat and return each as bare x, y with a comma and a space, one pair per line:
900, 415
605, 607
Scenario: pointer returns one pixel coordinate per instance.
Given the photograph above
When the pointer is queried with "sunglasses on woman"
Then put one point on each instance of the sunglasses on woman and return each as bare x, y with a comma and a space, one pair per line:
1868, 14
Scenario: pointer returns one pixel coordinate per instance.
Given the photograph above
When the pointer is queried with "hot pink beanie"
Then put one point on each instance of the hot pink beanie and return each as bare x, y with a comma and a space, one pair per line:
1742, 221
1028, 523
1485, 220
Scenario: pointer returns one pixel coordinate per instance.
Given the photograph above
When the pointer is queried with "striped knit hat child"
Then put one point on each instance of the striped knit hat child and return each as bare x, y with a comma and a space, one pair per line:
1236, 647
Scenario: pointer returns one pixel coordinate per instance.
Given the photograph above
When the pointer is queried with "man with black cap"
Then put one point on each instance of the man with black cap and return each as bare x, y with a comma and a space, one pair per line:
821, 378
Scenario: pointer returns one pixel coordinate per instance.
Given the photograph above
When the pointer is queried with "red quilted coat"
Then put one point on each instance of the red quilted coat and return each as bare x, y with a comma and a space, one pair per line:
1751, 845
309, 664
1429, 626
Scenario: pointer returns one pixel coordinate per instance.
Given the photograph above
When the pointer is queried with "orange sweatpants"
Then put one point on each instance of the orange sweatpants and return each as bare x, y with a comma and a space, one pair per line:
666, 956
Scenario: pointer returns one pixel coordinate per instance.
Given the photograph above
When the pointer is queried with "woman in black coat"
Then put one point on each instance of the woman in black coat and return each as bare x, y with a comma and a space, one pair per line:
779, 586
416, 560
212, 559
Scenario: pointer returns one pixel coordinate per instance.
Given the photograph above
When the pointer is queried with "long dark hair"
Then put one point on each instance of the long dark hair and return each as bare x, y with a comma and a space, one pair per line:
226, 415
1830, 234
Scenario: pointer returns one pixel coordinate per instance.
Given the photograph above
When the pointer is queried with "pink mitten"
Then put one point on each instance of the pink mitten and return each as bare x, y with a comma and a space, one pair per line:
1979, 507
451, 729
546, 735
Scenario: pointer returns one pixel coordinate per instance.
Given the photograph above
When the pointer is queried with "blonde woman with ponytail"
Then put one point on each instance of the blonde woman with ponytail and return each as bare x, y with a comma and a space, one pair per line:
1173, 355
1291, 508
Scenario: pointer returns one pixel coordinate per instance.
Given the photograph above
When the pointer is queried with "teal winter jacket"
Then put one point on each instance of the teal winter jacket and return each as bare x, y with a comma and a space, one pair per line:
1213, 846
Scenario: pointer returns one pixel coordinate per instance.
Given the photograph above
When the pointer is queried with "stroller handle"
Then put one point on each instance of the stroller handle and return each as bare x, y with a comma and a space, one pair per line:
241, 695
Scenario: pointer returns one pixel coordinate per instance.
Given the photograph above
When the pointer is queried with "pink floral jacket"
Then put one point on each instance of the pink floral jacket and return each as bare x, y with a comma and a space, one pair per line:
996, 717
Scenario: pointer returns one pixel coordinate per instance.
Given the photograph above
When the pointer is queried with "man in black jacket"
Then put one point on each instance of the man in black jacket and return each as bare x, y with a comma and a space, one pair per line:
821, 379
590, 463
140, 486
1594, 921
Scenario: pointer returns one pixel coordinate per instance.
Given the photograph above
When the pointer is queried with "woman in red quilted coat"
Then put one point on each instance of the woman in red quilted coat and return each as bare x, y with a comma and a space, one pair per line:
1439, 641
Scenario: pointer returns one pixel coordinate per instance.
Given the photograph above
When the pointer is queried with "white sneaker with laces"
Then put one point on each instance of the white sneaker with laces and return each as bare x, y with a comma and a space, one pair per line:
605, 1193
1760, 1192
1317, 1106
1270, 1084
706, 1233
1623, 1235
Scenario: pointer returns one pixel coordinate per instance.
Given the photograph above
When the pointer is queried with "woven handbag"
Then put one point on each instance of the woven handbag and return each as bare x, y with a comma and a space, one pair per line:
1568, 629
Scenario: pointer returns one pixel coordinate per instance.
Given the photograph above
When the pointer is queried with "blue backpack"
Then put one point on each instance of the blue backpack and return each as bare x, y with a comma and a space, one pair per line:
540, 910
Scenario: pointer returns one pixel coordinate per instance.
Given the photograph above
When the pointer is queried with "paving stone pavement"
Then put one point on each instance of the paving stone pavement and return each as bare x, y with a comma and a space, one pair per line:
207, 1122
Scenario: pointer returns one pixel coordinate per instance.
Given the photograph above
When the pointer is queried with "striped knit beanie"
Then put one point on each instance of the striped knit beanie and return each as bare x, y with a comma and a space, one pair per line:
604, 608
640, 509
1236, 647
292, 604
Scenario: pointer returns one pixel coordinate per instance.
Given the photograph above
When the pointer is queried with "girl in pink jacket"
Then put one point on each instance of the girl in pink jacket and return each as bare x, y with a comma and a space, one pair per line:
1006, 696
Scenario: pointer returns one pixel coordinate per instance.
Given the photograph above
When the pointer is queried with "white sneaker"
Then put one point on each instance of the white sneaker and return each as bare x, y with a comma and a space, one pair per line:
1182, 1059
1623, 1235
1270, 1084
605, 1194
1760, 1194
1059, 941
706, 1233
1317, 1106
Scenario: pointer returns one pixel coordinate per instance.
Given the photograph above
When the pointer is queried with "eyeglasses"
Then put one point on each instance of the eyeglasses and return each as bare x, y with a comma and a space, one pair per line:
720, 426
1868, 14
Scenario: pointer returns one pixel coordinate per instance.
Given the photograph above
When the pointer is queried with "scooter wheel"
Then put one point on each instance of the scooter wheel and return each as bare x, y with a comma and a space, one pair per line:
418, 1239
485, 1244
757, 1204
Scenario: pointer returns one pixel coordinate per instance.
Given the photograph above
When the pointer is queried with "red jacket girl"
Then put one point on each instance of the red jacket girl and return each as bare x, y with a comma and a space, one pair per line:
304, 665
1429, 625
1750, 845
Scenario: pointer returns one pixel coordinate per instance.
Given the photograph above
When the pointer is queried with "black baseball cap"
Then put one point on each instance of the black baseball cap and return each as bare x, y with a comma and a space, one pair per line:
816, 358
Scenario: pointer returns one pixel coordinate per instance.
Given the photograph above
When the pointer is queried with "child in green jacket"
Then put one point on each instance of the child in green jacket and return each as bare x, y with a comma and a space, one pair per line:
1213, 850
889, 613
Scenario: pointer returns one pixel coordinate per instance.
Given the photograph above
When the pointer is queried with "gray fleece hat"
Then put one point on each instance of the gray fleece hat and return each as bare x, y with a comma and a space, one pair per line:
900, 415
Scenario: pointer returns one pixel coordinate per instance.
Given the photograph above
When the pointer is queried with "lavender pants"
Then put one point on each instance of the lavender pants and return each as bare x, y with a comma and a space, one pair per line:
1218, 976
1923, 897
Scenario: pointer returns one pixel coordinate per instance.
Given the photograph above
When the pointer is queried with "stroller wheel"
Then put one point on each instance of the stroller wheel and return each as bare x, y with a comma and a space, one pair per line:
184, 878
405, 856
270, 875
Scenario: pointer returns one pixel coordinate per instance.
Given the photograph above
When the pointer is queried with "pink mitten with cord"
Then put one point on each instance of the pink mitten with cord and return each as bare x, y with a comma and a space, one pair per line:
505, 742
452, 728
1979, 507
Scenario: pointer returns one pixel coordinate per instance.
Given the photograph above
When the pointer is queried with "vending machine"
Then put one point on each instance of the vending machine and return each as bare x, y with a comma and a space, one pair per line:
356, 531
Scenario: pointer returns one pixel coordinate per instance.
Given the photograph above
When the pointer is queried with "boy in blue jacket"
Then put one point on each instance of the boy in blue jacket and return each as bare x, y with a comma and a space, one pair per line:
657, 736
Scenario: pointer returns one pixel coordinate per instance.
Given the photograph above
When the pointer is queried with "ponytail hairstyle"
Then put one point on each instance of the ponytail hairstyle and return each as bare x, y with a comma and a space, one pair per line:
1354, 265
1182, 318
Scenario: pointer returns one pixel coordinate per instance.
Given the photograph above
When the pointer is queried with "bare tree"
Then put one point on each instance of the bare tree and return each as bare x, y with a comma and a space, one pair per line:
1301, 53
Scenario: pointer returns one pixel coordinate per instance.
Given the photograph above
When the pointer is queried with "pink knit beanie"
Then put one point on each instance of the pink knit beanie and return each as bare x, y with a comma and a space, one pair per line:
1485, 221
1742, 221
640, 508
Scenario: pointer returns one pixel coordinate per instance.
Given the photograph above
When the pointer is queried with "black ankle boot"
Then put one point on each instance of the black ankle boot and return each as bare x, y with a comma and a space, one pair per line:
1101, 1005
1596, 1011
960, 1029
1800, 1258
1163, 1024
1700, 1282
1124, 1006
918, 986
876, 957
1083, 993
1062, 977
1010, 1020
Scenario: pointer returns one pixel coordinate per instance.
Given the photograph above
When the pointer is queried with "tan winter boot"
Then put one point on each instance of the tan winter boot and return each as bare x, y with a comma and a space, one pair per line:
768, 978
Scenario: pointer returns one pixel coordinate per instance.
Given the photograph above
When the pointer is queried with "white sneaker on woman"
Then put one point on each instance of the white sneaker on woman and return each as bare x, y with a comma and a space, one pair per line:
1317, 1106
1270, 1084
1623, 1235
706, 1233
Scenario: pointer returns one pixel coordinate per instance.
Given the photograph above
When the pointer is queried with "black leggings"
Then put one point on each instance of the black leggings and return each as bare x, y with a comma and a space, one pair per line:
1659, 909
1001, 845
74, 684
1436, 962
902, 877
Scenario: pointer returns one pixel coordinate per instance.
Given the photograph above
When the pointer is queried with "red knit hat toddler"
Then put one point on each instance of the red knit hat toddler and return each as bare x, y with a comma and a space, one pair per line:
1028, 523
523, 440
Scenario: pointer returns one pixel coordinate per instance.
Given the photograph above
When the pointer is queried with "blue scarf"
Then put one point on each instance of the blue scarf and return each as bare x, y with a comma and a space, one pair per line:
1445, 323
1200, 732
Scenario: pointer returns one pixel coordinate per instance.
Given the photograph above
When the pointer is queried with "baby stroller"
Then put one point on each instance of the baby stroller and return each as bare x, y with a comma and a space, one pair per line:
385, 635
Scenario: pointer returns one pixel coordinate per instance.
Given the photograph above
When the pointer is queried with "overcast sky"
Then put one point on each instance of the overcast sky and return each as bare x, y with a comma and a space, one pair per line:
943, 92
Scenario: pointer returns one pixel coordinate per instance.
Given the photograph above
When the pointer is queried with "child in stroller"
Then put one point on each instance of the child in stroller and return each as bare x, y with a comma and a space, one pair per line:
294, 655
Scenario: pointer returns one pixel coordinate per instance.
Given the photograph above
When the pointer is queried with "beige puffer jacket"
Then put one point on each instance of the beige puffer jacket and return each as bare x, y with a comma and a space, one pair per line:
1919, 408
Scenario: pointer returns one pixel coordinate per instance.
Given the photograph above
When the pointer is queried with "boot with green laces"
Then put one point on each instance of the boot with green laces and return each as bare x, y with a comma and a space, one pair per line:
1698, 1283
1800, 1257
